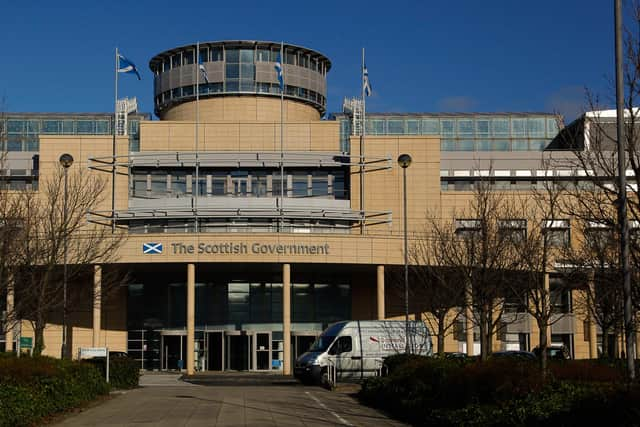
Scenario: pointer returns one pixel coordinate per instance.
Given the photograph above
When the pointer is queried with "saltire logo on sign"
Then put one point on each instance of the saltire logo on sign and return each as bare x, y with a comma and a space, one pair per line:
152, 248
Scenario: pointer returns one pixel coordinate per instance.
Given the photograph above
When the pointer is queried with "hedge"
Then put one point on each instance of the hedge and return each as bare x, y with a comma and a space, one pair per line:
124, 373
32, 388
443, 392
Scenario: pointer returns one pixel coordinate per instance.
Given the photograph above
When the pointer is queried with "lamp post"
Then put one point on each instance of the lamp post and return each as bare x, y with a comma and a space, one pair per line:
66, 160
404, 160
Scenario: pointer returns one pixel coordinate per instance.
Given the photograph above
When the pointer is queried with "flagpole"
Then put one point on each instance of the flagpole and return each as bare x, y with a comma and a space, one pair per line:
113, 149
362, 136
195, 200
282, 187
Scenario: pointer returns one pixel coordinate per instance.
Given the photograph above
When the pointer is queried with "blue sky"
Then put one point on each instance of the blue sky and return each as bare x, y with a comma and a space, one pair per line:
422, 56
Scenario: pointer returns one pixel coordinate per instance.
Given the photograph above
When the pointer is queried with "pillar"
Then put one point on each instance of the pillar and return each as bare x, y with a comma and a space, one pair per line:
97, 304
191, 311
380, 292
286, 318
468, 314
10, 318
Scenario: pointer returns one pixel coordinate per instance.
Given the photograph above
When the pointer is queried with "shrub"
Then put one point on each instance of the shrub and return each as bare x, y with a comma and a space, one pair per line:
34, 387
124, 373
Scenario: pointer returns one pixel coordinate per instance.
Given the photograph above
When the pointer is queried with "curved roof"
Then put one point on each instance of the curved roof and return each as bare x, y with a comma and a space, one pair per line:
239, 43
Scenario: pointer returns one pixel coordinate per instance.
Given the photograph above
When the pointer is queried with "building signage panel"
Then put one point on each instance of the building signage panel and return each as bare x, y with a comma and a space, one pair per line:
230, 248
26, 342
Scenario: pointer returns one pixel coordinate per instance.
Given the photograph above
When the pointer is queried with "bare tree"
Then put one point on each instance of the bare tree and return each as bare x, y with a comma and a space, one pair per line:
40, 250
479, 251
436, 288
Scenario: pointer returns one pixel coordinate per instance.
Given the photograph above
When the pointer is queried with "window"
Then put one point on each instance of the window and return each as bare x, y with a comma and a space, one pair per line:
396, 127
51, 126
448, 128
465, 127
176, 60
560, 295
413, 127
482, 127
430, 127
216, 53
519, 127
500, 127
557, 233
536, 127
468, 229
513, 230
187, 57
599, 235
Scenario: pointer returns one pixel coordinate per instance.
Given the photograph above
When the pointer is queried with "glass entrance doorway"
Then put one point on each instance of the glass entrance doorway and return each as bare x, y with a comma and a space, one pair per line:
239, 348
173, 352
215, 351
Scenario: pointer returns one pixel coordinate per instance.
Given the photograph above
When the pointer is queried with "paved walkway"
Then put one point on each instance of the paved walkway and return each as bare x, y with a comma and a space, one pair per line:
228, 400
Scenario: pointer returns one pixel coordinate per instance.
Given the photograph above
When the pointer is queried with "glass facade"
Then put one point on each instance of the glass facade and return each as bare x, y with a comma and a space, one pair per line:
23, 131
464, 133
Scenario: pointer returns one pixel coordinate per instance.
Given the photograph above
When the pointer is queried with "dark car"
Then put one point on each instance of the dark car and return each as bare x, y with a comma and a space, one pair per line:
555, 352
514, 354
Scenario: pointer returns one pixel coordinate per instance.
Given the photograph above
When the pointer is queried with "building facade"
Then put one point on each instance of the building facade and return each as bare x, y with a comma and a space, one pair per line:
253, 222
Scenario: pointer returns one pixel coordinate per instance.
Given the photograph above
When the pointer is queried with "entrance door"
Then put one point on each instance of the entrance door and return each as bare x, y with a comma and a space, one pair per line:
238, 351
173, 352
262, 347
215, 351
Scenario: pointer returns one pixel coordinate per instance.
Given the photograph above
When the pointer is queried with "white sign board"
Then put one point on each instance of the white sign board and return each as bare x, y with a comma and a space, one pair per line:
89, 352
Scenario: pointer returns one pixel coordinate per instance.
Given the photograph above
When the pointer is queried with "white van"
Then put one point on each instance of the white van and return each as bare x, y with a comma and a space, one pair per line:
357, 348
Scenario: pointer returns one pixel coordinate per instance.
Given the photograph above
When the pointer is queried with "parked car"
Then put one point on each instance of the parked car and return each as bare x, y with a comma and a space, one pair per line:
556, 352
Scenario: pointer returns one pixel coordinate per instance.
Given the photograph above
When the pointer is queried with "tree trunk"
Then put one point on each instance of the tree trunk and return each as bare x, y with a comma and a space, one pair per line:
441, 325
38, 344
484, 343
543, 349
605, 342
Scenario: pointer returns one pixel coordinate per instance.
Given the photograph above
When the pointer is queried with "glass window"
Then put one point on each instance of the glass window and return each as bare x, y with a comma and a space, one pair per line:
178, 182
232, 55
302, 303
300, 184
430, 127
538, 144
263, 55
86, 127
339, 185
67, 127
518, 127
204, 55
166, 64
232, 71
520, 145
500, 127
246, 56
31, 143
247, 71
552, 128
216, 53
395, 127
51, 126
187, 57
14, 144
320, 183
238, 297
176, 60
483, 145
464, 145
247, 86
176, 92
232, 85
187, 91
448, 145
465, 127
102, 127
413, 127
536, 127
159, 182
15, 126
557, 233
375, 127
448, 127
290, 57
139, 186
482, 127
33, 126
500, 145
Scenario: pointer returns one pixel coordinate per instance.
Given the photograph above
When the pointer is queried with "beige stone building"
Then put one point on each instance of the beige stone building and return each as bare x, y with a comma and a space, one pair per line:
250, 223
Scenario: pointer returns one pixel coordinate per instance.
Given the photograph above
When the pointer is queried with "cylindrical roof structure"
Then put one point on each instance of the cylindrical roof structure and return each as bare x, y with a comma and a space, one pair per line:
238, 68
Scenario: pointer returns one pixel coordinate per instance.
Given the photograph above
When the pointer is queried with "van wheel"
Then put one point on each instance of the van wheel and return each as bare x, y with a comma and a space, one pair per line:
324, 379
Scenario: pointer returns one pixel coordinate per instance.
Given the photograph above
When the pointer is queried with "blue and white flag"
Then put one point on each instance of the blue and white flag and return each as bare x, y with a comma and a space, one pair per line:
366, 86
202, 69
126, 66
152, 248
278, 68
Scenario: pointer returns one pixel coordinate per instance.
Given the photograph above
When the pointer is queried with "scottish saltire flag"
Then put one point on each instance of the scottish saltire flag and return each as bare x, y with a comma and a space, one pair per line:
152, 248
126, 66
278, 68
202, 69
366, 86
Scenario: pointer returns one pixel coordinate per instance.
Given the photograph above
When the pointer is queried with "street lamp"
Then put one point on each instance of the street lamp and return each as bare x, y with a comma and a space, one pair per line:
404, 160
66, 160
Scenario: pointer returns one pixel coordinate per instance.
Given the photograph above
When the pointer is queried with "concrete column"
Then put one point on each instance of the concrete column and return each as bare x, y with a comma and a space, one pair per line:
468, 314
97, 304
191, 312
10, 317
380, 292
286, 318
